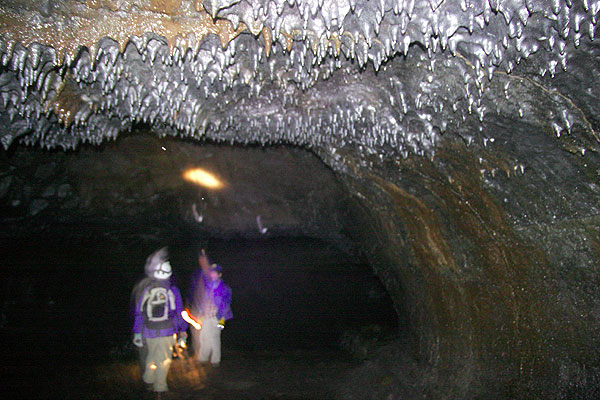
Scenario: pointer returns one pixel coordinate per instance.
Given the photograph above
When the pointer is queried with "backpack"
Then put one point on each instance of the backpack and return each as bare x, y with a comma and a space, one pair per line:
158, 307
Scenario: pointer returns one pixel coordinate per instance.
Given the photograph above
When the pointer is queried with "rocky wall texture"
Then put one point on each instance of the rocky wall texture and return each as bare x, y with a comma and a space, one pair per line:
138, 181
499, 270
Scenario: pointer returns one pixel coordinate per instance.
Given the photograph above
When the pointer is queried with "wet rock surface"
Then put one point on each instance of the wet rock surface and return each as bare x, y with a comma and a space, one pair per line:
491, 281
388, 77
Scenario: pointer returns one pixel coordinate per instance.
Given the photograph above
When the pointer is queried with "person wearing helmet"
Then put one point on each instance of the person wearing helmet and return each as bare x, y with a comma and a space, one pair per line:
157, 319
211, 307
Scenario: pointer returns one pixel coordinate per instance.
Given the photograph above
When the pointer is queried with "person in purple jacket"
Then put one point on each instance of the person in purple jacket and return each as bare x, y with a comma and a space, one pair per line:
211, 307
157, 319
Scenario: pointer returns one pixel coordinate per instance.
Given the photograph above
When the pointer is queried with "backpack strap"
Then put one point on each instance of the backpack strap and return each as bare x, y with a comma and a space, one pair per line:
172, 305
145, 297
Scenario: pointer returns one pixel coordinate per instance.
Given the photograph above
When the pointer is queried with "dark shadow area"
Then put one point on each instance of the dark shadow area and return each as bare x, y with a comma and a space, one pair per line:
79, 225
299, 304
297, 293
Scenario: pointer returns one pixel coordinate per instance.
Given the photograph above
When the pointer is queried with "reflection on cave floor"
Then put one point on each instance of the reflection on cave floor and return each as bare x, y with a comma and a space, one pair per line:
243, 374
269, 374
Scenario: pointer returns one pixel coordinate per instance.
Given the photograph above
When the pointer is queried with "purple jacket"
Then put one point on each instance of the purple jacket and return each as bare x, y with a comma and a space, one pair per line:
209, 297
169, 310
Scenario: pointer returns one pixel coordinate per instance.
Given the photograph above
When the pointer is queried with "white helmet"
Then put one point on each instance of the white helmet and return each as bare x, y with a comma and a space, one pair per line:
158, 266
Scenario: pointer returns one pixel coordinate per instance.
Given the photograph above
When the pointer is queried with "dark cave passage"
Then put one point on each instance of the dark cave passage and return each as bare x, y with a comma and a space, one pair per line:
65, 310
305, 295
298, 293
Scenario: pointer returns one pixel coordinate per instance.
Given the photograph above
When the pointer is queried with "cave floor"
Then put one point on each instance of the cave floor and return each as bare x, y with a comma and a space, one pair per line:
299, 374
243, 374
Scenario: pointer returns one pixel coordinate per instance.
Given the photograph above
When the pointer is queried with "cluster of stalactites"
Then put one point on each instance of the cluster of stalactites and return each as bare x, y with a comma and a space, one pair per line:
274, 88
484, 30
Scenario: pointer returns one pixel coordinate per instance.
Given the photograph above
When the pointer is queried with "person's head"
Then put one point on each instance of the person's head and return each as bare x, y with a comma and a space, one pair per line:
215, 272
158, 266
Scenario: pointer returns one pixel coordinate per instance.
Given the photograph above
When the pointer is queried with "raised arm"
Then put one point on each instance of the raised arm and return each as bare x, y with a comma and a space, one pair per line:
204, 262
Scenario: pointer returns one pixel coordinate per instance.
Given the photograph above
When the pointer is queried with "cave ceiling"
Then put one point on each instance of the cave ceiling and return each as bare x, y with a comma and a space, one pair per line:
384, 78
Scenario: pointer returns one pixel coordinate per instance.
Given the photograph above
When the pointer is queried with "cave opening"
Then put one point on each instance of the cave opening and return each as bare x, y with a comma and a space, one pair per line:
83, 222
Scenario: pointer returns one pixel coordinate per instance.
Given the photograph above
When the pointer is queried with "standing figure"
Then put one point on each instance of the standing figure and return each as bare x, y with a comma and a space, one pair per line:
211, 307
157, 319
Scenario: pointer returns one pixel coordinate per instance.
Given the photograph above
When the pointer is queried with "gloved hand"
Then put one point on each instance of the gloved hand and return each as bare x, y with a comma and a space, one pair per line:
137, 340
221, 323
182, 340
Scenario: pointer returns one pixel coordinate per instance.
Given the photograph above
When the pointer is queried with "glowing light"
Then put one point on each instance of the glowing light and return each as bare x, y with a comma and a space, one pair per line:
202, 178
190, 320
153, 366
261, 228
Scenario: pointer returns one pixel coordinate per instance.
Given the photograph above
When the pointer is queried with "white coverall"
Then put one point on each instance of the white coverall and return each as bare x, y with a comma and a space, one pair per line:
158, 361
209, 341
